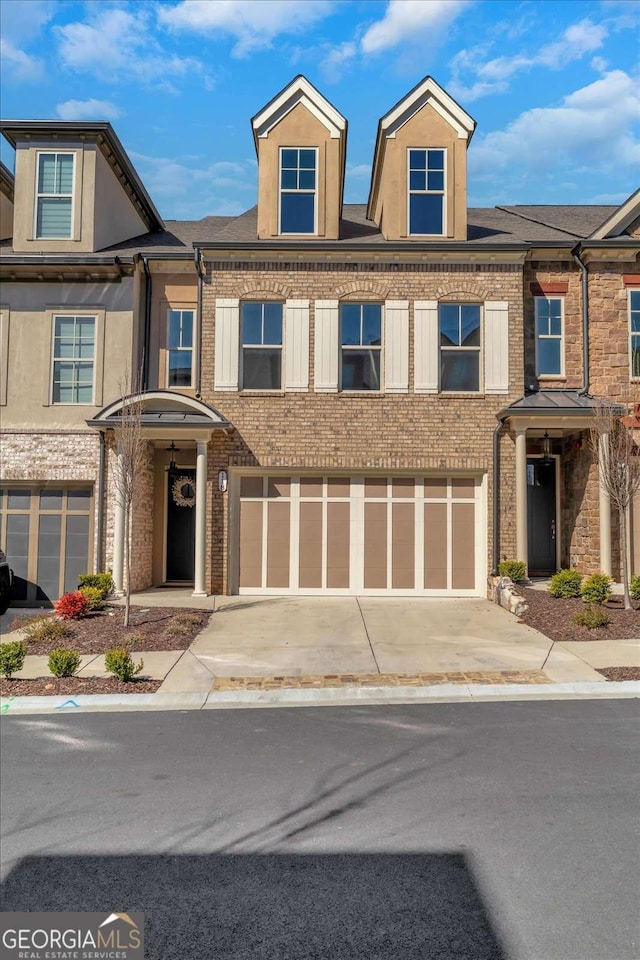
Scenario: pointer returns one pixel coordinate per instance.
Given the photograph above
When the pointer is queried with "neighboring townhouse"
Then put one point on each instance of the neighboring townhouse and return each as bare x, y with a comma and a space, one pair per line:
338, 399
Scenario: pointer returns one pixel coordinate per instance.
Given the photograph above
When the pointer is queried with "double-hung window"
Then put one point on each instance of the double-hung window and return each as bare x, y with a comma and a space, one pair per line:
549, 353
261, 346
634, 344
459, 328
74, 344
54, 202
426, 192
360, 346
180, 352
298, 184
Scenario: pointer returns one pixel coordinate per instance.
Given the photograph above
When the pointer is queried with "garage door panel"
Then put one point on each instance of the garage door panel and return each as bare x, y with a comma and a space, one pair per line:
251, 542
310, 550
338, 544
435, 546
278, 544
375, 546
463, 574
403, 546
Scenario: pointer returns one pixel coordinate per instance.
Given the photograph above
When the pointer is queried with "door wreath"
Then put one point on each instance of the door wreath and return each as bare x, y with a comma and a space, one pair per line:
183, 492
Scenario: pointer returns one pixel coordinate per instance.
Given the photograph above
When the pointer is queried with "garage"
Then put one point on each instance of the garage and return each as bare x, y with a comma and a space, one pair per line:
46, 534
376, 535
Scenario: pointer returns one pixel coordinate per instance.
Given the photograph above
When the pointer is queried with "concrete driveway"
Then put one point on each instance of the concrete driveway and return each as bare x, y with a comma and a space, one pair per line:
265, 636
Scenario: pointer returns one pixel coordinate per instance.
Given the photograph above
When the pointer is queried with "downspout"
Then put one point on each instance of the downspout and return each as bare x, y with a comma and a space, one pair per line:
585, 321
100, 505
199, 271
496, 495
147, 323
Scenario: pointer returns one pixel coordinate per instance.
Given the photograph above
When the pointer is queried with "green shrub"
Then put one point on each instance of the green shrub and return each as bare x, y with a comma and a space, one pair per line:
94, 598
101, 581
634, 586
64, 663
46, 628
120, 662
594, 616
565, 584
515, 569
12, 657
596, 588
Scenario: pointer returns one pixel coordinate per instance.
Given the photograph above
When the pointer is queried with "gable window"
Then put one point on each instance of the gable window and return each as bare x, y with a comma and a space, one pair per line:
180, 352
549, 360
360, 345
54, 196
634, 345
426, 192
261, 346
74, 340
459, 330
298, 168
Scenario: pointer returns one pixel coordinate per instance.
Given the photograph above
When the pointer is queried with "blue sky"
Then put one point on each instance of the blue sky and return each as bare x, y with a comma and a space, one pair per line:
554, 86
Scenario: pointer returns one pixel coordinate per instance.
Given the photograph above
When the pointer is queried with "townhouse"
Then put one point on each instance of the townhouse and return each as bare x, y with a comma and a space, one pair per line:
337, 398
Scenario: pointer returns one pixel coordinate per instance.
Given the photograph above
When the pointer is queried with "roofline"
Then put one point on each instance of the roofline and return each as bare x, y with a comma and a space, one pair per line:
342, 245
626, 213
76, 260
11, 129
265, 108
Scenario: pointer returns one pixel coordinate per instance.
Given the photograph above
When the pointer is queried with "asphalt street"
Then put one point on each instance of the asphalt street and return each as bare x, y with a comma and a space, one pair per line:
485, 831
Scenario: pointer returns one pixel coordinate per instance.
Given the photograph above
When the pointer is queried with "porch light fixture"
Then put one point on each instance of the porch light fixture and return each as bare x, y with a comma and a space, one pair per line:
172, 450
546, 449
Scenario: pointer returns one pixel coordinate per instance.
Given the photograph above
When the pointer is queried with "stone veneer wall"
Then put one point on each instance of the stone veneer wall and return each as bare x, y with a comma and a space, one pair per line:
554, 272
609, 333
392, 432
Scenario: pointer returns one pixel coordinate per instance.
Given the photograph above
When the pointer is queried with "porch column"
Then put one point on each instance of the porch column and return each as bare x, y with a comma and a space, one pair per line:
522, 542
118, 533
201, 520
604, 510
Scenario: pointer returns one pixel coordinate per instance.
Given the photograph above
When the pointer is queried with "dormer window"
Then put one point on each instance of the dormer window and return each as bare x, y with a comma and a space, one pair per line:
426, 192
298, 167
54, 196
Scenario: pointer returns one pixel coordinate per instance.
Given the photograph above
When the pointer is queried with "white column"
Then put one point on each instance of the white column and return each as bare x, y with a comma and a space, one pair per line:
118, 534
201, 520
604, 509
522, 541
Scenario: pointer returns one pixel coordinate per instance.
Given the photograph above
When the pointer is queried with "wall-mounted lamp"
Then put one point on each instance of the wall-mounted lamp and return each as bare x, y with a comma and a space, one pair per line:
546, 449
222, 480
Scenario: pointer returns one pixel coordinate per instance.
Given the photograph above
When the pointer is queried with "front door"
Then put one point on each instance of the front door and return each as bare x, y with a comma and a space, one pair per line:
181, 525
541, 511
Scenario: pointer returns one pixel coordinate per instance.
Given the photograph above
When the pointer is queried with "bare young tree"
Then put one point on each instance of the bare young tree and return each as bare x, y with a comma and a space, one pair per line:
132, 451
616, 452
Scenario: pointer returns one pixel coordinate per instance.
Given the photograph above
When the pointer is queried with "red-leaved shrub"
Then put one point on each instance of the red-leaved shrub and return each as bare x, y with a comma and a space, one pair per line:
71, 606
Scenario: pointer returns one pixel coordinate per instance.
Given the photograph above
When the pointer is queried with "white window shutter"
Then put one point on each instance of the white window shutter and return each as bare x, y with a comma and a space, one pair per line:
425, 340
227, 344
496, 346
327, 348
396, 346
296, 345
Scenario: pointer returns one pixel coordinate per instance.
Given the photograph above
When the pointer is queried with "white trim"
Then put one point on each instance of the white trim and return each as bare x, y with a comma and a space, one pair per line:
64, 196
168, 350
262, 346
479, 350
427, 192
620, 219
298, 190
631, 334
561, 338
299, 91
428, 92
52, 360
167, 395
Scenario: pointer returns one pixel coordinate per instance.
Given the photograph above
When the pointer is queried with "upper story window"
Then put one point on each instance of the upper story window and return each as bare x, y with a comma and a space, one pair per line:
549, 353
426, 192
261, 346
360, 346
298, 186
74, 339
54, 200
634, 345
180, 352
459, 329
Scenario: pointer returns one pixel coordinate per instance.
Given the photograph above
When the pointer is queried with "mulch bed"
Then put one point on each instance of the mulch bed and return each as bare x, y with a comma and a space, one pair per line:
152, 628
72, 686
620, 673
552, 617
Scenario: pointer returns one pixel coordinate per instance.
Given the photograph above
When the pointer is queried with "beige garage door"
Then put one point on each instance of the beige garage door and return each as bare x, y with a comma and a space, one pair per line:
362, 535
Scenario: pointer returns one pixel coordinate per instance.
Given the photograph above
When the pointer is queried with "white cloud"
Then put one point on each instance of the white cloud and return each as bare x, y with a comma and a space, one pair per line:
88, 110
492, 76
18, 65
255, 24
114, 44
591, 130
223, 188
336, 60
412, 21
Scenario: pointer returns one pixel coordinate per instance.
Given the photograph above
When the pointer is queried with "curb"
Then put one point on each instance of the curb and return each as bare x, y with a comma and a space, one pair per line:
324, 696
